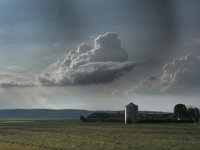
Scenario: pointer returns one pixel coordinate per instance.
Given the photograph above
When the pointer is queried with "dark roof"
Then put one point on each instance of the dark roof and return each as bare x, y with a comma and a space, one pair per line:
131, 104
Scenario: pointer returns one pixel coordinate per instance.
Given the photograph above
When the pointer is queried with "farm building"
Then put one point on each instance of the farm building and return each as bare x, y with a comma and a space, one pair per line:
131, 113
104, 117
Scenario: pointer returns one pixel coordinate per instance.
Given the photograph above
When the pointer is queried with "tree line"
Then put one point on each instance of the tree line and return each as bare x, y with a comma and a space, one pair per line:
182, 112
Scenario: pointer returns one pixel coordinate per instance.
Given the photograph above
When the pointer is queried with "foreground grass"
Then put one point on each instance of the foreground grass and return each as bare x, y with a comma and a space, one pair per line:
64, 135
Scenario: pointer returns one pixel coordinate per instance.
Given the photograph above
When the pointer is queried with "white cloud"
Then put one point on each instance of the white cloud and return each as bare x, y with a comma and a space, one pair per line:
16, 68
8, 83
87, 65
9, 79
101, 63
182, 75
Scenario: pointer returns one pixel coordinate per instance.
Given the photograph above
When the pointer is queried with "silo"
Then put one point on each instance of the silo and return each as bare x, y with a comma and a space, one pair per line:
131, 113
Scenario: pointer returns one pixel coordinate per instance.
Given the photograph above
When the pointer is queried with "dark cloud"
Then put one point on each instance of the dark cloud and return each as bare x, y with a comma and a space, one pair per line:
91, 73
86, 65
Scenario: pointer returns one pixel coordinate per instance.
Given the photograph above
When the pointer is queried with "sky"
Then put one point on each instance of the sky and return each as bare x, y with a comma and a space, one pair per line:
99, 54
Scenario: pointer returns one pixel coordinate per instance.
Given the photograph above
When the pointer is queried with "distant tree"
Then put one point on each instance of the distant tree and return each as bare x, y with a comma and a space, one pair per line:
198, 114
180, 111
194, 113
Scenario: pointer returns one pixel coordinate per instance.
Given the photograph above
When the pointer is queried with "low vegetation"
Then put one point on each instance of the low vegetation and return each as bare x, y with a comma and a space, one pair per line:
67, 135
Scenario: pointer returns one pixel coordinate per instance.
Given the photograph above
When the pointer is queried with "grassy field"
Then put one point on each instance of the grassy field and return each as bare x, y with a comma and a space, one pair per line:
63, 135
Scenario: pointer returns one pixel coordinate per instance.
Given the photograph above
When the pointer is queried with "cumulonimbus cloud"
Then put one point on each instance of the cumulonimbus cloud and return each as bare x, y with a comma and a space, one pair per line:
180, 75
103, 63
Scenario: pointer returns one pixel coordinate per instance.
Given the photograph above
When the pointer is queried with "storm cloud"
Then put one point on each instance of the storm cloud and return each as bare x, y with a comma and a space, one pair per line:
182, 75
103, 63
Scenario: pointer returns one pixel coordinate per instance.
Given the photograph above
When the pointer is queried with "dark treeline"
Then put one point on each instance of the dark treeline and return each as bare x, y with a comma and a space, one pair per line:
43, 113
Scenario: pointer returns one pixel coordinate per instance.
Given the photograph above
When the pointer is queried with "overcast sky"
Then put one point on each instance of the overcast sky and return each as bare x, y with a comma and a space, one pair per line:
99, 54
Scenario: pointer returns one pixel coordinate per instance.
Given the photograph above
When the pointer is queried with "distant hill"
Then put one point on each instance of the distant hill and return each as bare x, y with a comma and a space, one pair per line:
43, 113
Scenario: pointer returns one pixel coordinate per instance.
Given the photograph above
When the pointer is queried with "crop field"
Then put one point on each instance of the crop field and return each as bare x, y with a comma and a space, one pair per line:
67, 135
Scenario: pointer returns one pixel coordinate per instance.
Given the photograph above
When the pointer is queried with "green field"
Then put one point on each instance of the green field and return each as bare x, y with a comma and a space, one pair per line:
64, 134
